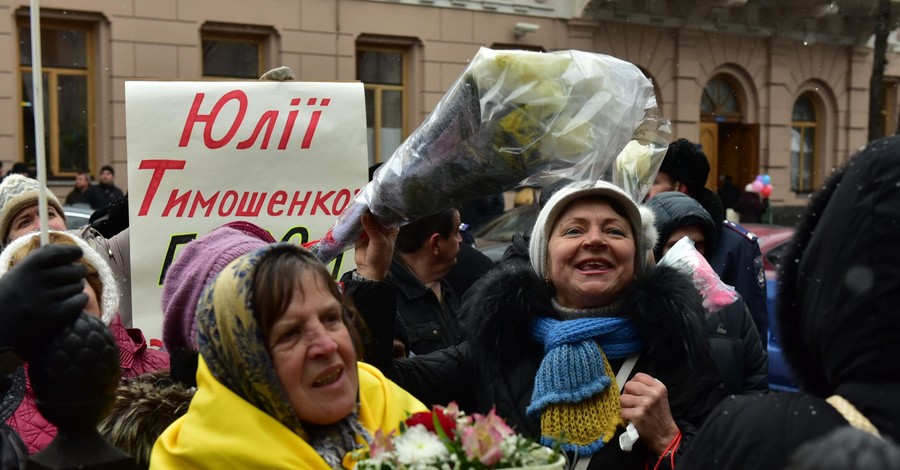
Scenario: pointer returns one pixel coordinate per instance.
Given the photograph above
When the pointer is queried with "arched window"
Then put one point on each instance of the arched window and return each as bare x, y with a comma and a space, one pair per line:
804, 151
720, 101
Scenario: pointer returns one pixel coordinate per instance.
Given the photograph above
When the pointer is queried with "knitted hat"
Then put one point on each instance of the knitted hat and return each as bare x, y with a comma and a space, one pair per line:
199, 262
109, 299
641, 221
686, 162
18, 192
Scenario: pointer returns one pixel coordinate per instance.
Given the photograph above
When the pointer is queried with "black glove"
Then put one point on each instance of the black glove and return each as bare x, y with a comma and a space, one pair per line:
111, 219
38, 296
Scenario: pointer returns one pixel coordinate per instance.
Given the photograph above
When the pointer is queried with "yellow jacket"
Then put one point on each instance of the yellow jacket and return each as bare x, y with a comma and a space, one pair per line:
221, 430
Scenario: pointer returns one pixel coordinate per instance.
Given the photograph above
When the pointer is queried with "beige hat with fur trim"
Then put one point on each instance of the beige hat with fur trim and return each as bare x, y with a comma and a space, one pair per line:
18, 192
108, 300
640, 218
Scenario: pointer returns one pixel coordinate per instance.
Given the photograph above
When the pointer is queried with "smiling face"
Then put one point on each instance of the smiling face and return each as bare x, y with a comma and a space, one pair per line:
313, 354
591, 254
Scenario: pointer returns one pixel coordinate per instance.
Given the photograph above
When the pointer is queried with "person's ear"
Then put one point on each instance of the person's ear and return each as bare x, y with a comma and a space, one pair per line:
434, 244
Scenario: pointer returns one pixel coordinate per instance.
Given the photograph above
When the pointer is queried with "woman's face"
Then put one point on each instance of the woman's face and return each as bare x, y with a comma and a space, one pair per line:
591, 254
92, 307
691, 231
313, 354
27, 220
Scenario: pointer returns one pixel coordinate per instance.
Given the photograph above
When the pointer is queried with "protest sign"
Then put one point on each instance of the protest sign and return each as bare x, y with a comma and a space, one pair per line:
287, 156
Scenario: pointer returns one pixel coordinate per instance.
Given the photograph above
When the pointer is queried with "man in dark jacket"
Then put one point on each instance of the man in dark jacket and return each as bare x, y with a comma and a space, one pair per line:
106, 192
736, 349
838, 323
737, 259
425, 251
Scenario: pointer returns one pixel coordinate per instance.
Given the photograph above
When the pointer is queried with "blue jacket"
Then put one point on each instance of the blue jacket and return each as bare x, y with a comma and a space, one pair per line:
738, 262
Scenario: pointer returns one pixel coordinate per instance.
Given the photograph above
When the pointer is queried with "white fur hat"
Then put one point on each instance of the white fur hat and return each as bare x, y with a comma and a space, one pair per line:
109, 302
640, 218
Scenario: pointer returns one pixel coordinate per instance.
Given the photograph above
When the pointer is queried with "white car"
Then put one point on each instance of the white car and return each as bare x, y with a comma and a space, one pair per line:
77, 216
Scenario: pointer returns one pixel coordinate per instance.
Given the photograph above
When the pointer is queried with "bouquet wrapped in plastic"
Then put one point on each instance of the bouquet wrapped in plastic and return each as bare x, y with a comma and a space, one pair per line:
512, 117
685, 258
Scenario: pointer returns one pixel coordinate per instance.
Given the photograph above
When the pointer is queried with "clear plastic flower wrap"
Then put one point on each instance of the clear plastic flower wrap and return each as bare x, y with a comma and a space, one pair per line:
512, 117
685, 258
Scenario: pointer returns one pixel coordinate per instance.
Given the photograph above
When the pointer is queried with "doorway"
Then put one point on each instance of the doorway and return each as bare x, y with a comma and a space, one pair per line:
731, 145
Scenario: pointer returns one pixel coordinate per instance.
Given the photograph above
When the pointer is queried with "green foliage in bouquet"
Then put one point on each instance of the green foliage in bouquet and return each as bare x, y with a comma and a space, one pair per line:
447, 439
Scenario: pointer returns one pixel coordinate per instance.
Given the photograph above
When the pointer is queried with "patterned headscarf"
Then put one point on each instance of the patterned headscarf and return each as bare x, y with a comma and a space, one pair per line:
232, 343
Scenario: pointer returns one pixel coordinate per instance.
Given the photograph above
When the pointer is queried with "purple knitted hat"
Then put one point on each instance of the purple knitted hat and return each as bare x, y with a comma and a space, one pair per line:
200, 261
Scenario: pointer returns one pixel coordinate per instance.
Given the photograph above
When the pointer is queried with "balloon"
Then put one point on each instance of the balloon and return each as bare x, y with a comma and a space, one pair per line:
766, 179
766, 190
759, 178
749, 188
757, 186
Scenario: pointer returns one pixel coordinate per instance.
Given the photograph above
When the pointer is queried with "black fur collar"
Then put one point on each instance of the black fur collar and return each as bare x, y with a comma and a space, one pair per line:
664, 304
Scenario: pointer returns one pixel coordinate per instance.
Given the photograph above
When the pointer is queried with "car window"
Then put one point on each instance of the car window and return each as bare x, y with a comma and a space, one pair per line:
502, 228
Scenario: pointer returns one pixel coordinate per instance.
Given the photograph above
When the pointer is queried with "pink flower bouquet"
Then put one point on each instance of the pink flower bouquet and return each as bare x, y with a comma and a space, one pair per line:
685, 258
512, 117
446, 438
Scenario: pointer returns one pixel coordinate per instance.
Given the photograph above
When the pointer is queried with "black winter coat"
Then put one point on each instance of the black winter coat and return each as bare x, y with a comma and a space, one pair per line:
497, 366
13, 453
838, 321
736, 350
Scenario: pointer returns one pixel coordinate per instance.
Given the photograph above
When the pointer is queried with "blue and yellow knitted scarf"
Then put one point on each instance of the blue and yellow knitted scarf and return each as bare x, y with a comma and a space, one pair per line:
575, 390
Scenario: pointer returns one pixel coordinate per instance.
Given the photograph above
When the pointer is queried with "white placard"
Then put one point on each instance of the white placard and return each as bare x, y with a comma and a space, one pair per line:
287, 156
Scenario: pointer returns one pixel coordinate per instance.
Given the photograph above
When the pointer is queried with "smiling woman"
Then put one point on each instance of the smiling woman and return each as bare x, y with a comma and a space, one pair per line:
587, 339
278, 372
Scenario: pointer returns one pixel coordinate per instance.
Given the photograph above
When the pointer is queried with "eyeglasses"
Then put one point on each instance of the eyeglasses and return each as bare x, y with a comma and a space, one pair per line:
463, 227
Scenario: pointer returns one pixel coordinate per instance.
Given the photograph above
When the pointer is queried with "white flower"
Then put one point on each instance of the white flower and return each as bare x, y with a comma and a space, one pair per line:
418, 446
635, 159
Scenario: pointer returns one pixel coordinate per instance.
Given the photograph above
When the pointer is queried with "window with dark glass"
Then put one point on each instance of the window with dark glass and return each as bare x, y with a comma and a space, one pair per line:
804, 128
233, 55
720, 102
68, 116
383, 71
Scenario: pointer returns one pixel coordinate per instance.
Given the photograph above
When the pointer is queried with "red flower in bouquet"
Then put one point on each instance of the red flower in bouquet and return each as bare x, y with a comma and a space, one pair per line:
428, 418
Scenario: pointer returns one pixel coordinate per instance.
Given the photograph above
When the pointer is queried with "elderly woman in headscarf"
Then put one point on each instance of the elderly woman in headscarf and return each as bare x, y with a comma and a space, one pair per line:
279, 385
838, 323
135, 357
584, 340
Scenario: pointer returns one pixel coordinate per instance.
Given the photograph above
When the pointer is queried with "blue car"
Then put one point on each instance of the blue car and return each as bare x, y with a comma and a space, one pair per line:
773, 243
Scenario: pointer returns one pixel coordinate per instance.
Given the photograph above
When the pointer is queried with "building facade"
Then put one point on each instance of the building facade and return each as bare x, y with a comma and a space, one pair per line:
763, 87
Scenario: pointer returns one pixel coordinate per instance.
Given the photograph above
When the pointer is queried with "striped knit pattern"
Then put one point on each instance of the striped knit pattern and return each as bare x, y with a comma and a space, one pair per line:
574, 390
584, 427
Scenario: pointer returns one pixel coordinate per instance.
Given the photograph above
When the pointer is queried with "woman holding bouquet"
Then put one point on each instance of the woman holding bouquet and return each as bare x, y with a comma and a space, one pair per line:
587, 338
279, 385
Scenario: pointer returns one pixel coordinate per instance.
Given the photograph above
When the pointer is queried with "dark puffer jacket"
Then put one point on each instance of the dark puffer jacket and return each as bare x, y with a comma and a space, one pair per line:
838, 319
13, 453
497, 366
736, 347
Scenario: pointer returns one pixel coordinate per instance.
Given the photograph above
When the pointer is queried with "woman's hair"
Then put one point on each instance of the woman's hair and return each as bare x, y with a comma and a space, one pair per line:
92, 275
277, 273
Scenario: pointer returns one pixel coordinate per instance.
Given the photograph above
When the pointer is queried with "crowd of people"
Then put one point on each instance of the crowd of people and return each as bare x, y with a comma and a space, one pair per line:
585, 332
